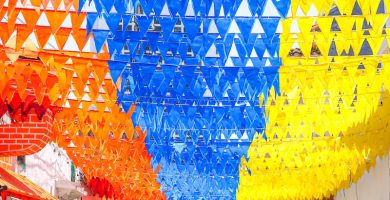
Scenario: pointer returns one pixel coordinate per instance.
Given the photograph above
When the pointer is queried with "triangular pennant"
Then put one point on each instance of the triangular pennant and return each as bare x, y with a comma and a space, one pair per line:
345, 24
99, 37
81, 38
21, 35
55, 19
174, 7
167, 24
4, 35
146, 72
91, 18
115, 47
305, 25
223, 25
269, 25
282, 7
62, 36
116, 68
107, 5
143, 24
325, 24
192, 26
379, 22
245, 25
112, 21
31, 17
12, 18
77, 20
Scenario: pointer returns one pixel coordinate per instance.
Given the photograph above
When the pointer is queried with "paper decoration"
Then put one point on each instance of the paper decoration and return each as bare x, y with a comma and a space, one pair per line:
185, 99
195, 70
328, 125
48, 63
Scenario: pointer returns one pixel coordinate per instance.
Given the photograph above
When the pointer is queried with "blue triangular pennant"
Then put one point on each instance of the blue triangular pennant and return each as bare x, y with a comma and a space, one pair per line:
112, 21
98, 6
120, 6
91, 18
143, 24
115, 46
167, 24
282, 7
245, 25
217, 7
116, 69
81, 5
174, 6
153, 37
269, 25
99, 37
227, 5
146, 72
107, 5
192, 26
125, 21
196, 6
223, 25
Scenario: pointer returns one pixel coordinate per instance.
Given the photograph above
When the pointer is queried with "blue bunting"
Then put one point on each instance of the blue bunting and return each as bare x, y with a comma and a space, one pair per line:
99, 37
197, 97
282, 6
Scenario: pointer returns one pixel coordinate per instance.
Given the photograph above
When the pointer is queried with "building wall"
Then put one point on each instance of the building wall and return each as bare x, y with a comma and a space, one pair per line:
374, 184
46, 167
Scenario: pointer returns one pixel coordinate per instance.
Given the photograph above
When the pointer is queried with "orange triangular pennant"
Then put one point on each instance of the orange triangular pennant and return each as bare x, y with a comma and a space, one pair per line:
62, 36
36, 3
44, 3
68, 4
77, 20
56, 3
80, 38
42, 34
31, 17
2, 12
100, 72
21, 35
55, 18
4, 35
12, 16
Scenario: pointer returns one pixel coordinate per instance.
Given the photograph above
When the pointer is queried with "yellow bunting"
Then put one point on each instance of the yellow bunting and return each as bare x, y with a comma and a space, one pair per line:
329, 124
325, 129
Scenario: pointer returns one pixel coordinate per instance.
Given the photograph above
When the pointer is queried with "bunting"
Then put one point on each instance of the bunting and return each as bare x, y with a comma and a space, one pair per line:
53, 65
328, 126
195, 70
191, 99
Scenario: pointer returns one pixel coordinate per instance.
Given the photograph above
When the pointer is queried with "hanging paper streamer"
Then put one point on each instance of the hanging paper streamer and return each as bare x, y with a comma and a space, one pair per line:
196, 70
329, 123
50, 67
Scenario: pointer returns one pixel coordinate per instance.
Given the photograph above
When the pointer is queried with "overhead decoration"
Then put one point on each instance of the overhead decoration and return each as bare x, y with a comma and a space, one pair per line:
329, 124
195, 70
50, 68
246, 99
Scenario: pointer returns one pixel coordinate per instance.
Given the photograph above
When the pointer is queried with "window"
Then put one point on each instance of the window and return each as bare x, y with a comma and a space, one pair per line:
73, 172
21, 162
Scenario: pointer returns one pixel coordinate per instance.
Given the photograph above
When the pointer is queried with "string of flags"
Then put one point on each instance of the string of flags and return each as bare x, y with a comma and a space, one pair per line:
204, 99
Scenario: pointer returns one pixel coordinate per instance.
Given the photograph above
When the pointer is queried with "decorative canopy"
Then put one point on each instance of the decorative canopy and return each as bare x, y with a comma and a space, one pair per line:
188, 99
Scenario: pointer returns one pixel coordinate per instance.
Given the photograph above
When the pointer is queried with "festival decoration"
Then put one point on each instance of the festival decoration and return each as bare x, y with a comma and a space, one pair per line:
49, 64
328, 125
202, 99
195, 83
